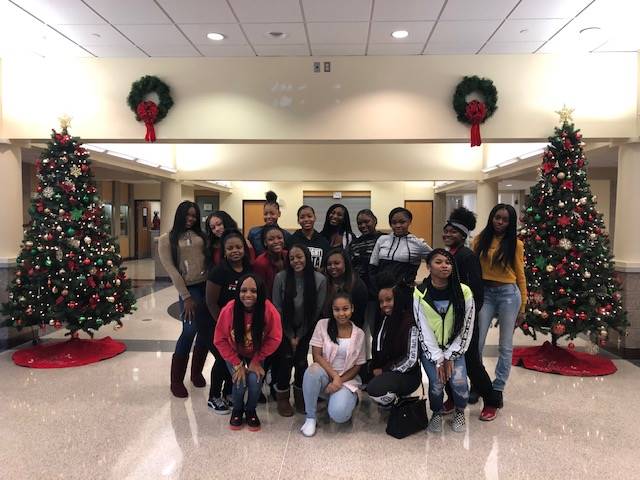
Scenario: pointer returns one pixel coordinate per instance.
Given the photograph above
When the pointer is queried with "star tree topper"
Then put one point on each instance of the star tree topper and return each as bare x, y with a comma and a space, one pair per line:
565, 114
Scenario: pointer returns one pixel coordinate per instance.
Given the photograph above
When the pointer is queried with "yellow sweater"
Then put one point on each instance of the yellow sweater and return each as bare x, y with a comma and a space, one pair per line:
511, 274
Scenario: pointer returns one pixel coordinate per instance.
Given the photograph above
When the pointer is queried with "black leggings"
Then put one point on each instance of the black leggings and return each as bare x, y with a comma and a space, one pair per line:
388, 386
480, 380
219, 375
285, 360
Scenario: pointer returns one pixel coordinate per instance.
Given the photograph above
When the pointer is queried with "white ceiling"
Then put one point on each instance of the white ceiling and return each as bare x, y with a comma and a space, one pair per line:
178, 28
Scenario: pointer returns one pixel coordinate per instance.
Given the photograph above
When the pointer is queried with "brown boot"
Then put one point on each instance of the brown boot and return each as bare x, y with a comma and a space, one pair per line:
178, 369
284, 406
298, 399
198, 358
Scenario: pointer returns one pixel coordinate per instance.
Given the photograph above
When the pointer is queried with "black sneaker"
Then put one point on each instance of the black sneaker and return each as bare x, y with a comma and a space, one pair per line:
219, 406
253, 422
498, 396
235, 422
474, 396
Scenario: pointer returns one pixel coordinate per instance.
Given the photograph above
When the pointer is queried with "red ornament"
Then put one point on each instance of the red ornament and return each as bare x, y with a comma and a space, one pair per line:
538, 238
564, 221
553, 240
562, 291
548, 167
568, 185
554, 179
558, 329
582, 316
72, 305
148, 112
475, 112
86, 261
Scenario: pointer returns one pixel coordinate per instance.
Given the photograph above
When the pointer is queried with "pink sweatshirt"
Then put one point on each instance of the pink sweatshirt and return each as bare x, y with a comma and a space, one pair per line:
225, 342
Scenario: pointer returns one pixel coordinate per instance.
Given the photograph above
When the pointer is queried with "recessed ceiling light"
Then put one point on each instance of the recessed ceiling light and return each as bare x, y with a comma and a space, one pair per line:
400, 34
509, 185
277, 35
215, 36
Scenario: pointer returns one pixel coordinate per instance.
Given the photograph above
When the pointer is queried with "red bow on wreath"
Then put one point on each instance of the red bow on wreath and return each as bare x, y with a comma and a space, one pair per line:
475, 112
148, 112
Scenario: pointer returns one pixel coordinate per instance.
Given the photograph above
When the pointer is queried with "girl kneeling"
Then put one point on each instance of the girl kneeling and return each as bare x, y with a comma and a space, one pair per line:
444, 311
393, 370
338, 352
247, 332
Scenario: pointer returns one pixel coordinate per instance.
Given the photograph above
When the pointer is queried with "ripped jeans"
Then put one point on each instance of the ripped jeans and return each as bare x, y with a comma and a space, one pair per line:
458, 382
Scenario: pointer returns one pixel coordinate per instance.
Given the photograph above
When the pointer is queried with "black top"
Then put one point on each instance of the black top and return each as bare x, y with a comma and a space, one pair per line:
225, 276
470, 273
318, 245
360, 251
395, 347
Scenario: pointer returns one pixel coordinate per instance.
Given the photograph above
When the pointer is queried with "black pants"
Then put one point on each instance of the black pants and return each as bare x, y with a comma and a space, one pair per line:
480, 380
219, 373
386, 387
286, 359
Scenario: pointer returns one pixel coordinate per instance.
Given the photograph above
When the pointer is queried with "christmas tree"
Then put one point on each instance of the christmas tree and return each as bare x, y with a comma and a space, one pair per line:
68, 271
569, 266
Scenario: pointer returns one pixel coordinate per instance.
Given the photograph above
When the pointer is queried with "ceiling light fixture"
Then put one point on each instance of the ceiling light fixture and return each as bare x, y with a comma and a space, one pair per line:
215, 36
400, 34
277, 35
509, 185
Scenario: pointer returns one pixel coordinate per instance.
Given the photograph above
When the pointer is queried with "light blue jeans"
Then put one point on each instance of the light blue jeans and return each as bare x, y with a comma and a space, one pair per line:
458, 382
504, 303
252, 384
341, 403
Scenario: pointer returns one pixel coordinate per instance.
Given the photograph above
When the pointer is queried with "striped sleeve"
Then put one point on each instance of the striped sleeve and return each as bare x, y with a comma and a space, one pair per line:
460, 344
410, 359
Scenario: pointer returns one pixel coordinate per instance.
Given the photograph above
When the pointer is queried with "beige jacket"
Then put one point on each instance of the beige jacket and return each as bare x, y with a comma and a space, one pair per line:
191, 268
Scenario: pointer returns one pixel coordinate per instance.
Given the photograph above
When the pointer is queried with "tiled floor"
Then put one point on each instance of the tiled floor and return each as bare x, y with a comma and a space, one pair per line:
117, 420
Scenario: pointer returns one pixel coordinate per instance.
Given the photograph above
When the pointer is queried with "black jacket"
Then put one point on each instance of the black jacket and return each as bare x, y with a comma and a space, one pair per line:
470, 273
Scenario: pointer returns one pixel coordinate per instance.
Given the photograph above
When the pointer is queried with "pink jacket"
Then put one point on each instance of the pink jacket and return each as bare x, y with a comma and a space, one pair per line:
355, 354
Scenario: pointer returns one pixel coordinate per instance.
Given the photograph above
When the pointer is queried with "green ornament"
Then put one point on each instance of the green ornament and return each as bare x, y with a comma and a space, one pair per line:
48, 262
71, 231
81, 319
34, 251
85, 199
530, 209
82, 278
98, 321
537, 218
76, 214
99, 262
540, 262
96, 199
57, 197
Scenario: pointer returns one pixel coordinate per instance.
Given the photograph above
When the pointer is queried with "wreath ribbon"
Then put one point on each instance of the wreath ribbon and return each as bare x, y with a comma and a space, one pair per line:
148, 112
476, 112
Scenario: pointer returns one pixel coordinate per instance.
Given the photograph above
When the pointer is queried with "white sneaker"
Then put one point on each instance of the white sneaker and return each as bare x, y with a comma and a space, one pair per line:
309, 427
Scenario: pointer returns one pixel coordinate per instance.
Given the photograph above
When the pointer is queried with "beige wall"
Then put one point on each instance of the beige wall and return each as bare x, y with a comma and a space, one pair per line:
146, 191
384, 196
363, 98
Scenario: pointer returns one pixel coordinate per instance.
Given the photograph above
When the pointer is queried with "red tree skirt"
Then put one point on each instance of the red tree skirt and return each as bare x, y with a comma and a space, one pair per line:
550, 359
70, 353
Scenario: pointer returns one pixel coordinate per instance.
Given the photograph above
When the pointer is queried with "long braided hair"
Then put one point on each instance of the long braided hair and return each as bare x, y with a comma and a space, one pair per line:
454, 285
257, 319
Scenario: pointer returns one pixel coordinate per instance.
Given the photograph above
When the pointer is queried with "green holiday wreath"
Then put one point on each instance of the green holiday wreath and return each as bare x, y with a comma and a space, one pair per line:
475, 112
148, 111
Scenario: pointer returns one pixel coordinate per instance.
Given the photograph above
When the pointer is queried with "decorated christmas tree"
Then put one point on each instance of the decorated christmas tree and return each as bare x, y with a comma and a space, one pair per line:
569, 266
68, 271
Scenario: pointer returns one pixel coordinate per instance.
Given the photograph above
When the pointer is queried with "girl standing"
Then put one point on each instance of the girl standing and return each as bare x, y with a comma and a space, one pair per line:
216, 224
222, 286
308, 236
338, 353
337, 226
299, 294
455, 232
501, 256
340, 278
399, 252
247, 332
274, 259
183, 255
271, 214
444, 312
393, 370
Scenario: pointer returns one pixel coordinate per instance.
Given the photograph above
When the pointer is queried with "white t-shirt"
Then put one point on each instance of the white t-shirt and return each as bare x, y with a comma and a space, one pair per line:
341, 355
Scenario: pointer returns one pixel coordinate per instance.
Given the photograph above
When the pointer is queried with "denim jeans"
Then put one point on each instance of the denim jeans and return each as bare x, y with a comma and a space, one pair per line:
341, 403
458, 382
502, 302
196, 328
252, 384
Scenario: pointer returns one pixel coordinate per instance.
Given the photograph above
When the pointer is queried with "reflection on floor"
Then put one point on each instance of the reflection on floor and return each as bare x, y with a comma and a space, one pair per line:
117, 420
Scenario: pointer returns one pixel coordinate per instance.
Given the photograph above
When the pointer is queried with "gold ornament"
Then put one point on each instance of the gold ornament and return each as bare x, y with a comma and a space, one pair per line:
65, 121
565, 114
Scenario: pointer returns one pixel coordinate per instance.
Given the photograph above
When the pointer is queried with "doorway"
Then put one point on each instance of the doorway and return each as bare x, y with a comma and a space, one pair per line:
252, 215
422, 225
144, 226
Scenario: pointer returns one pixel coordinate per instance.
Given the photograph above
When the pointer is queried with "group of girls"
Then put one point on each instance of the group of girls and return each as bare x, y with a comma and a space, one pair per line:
259, 307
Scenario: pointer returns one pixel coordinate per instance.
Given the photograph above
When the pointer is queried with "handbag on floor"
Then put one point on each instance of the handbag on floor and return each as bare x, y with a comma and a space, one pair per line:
408, 416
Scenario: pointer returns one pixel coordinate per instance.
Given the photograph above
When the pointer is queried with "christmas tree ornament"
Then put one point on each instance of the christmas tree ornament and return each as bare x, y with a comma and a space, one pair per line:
586, 274
550, 268
565, 243
561, 175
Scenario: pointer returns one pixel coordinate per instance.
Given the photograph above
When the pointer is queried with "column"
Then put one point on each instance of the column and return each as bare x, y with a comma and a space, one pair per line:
486, 199
626, 246
11, 230
170, 198
439, 218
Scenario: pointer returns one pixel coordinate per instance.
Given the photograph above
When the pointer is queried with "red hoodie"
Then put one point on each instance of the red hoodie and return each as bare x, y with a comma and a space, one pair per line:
224, 338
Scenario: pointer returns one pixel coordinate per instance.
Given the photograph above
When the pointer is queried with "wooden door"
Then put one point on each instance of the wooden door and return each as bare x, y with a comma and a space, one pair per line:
422, 225
143, 228
252, 215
